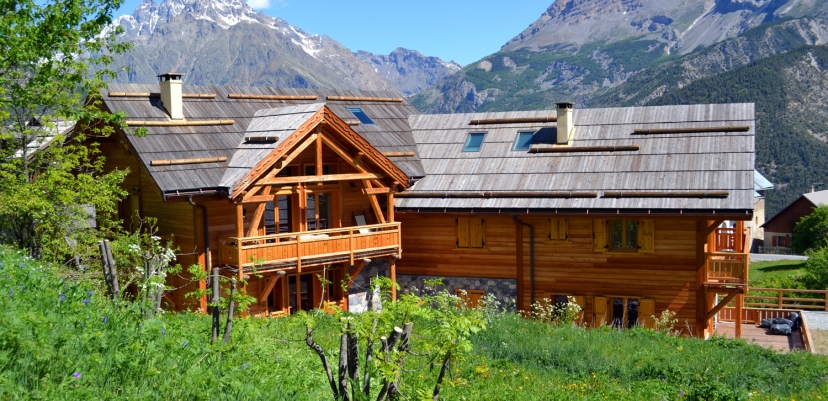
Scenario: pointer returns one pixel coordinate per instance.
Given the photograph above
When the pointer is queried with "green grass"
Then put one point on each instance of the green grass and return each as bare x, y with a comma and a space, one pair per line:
51, 327
775, 272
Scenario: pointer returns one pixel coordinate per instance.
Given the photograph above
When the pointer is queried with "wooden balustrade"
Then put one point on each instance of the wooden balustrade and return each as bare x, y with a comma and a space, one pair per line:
789, 303
727, 268
310, 247
726, 239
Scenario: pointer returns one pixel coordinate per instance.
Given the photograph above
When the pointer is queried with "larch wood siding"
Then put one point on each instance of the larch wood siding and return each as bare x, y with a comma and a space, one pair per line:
561, 267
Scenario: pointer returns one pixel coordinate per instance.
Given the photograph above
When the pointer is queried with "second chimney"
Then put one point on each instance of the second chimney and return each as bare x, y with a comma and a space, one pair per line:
565, 121
171, 94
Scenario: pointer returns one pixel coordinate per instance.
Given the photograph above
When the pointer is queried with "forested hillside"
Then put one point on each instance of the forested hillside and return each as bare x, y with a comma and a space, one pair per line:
790, 92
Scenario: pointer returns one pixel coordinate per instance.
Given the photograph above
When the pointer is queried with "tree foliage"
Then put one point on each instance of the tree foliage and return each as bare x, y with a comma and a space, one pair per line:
51, 178
811, 232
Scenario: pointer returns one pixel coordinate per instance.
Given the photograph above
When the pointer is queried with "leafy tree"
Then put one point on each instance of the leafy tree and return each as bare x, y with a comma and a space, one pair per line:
51, 179
811, 232
816, 270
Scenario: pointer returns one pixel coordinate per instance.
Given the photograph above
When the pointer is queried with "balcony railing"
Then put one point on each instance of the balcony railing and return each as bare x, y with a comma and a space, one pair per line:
310, 248
727, 268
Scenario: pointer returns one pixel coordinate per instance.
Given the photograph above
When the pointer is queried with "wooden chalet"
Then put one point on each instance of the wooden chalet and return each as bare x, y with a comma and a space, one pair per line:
617, 208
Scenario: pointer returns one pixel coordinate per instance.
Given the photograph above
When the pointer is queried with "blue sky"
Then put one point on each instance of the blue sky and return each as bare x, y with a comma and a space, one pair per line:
460, 30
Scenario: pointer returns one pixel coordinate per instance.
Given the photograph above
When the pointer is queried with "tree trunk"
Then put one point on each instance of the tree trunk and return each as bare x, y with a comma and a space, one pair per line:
113, 272
405, 340
319, 351
387, 345
353, 359
216, 316
228, 327
106, 270
443, 370
343, 367
369, 356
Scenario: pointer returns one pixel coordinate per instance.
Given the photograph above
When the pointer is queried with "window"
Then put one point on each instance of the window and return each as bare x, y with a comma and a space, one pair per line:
781, 241
558, 229
623, 312
319, 211
471, 297
523, 140
623, 235
474, 142
471, 232
562, 300
327, 169
360, 115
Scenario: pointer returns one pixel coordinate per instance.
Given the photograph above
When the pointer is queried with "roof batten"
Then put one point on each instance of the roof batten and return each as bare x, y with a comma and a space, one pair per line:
270, 97
158, 94
515, 120
365, 99
570, 149
175, 162
729, 128
191, 123
666, 194
497, 194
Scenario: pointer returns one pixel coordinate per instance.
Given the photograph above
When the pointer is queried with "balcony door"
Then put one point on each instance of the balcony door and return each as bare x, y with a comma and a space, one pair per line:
320, 210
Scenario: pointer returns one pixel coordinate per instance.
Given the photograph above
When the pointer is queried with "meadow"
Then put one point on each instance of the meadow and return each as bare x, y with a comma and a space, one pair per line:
62, 339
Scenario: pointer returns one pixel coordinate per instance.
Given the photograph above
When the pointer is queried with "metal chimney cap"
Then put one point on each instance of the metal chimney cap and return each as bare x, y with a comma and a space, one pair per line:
565, 105
170, 76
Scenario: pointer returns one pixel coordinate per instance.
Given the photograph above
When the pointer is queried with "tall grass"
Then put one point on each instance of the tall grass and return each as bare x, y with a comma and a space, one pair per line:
61, 339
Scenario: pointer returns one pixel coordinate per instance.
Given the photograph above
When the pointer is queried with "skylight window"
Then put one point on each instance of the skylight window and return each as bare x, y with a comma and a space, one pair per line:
523, 140
474, 142
360, 115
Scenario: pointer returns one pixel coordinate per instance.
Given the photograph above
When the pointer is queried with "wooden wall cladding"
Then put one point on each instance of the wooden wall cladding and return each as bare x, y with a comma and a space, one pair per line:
561, 267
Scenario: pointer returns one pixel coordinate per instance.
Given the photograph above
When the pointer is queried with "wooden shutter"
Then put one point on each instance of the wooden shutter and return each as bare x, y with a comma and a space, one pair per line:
563, 229
646, 311
599, 235
476, 232
646, 236
580, 300
471, 297
463, 240
599, 311
553, 229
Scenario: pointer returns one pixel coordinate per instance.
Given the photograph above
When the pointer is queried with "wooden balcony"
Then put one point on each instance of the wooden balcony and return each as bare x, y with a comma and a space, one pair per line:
311, 248
726, 269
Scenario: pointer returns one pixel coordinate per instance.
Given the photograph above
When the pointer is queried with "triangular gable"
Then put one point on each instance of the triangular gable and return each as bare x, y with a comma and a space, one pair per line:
329, 124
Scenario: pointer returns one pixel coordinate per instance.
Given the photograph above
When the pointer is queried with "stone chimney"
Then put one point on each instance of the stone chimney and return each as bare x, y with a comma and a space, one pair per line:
565, 122
171, 94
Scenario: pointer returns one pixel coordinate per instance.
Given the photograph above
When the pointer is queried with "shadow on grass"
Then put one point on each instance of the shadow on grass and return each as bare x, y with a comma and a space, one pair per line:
780, 268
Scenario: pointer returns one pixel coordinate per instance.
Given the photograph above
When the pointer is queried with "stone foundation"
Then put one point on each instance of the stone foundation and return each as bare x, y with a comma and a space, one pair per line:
360, 298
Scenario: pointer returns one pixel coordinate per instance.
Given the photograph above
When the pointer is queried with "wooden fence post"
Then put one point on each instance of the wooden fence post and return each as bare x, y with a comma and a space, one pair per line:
780, 299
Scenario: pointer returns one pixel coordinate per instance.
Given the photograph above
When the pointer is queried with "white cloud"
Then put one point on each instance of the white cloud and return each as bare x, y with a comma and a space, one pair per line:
259, 4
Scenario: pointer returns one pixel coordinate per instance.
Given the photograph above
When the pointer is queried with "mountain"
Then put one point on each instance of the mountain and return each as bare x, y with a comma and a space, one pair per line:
579, 49
226, 42
409, 70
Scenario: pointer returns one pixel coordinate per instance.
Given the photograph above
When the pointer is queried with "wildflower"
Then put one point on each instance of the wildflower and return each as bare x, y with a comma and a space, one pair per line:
1, 264
77, 375
278, 358
163, 331
62, 297
681, 393
21, 266
11, 291
245, 365
86, 301
91, 293
284, 340
105, 319
185, 343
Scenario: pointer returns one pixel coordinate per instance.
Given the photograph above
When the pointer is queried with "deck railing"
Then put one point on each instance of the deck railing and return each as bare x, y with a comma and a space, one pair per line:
755, 316
727, 268
726, 239
796, 300
311, 247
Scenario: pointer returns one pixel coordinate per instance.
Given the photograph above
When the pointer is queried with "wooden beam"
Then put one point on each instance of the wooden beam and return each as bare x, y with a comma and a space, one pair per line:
721, 305
392, 267
390, 208
365, 99
571, 149
176, 162
740, 301
287, 158
352, 161
516, 120
357, 269
239, 223
398, 154
253, 230
269, 285
252, 192
519, 264
181, 123
318, 152
375, 191
313, 178
727, 128
701, 268
259, 198
158, 94
269, 97
375, 204
713, 225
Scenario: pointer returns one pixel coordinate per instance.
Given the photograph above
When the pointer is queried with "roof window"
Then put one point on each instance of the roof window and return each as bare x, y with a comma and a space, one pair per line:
360, 115
474, 142
523, 140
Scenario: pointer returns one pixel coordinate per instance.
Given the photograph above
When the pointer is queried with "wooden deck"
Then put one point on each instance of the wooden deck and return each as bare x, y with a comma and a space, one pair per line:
763, 337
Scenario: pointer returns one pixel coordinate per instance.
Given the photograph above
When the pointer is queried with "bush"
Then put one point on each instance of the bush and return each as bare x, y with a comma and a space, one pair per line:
811, 232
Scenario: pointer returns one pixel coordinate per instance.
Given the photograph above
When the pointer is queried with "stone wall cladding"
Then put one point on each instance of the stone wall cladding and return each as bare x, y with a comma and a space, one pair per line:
360, 297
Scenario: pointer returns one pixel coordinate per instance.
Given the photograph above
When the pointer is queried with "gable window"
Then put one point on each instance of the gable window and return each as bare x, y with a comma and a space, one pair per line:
558, 229
471, 232
474, 142
360, 115
327, 169
523, 140
623, 235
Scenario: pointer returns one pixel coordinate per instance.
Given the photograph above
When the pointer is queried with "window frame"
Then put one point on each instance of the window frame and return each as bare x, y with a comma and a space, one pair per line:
370, 121
468, 139
624, 238
517, 141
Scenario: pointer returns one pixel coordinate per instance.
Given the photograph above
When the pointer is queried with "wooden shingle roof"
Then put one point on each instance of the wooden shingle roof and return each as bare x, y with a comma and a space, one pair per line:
390, 133
720, 162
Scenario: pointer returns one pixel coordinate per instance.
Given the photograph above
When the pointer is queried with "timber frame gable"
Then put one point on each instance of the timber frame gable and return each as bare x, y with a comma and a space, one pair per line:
322, 128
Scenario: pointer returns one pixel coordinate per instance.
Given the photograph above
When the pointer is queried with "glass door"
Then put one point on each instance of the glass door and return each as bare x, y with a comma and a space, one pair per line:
319, 210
